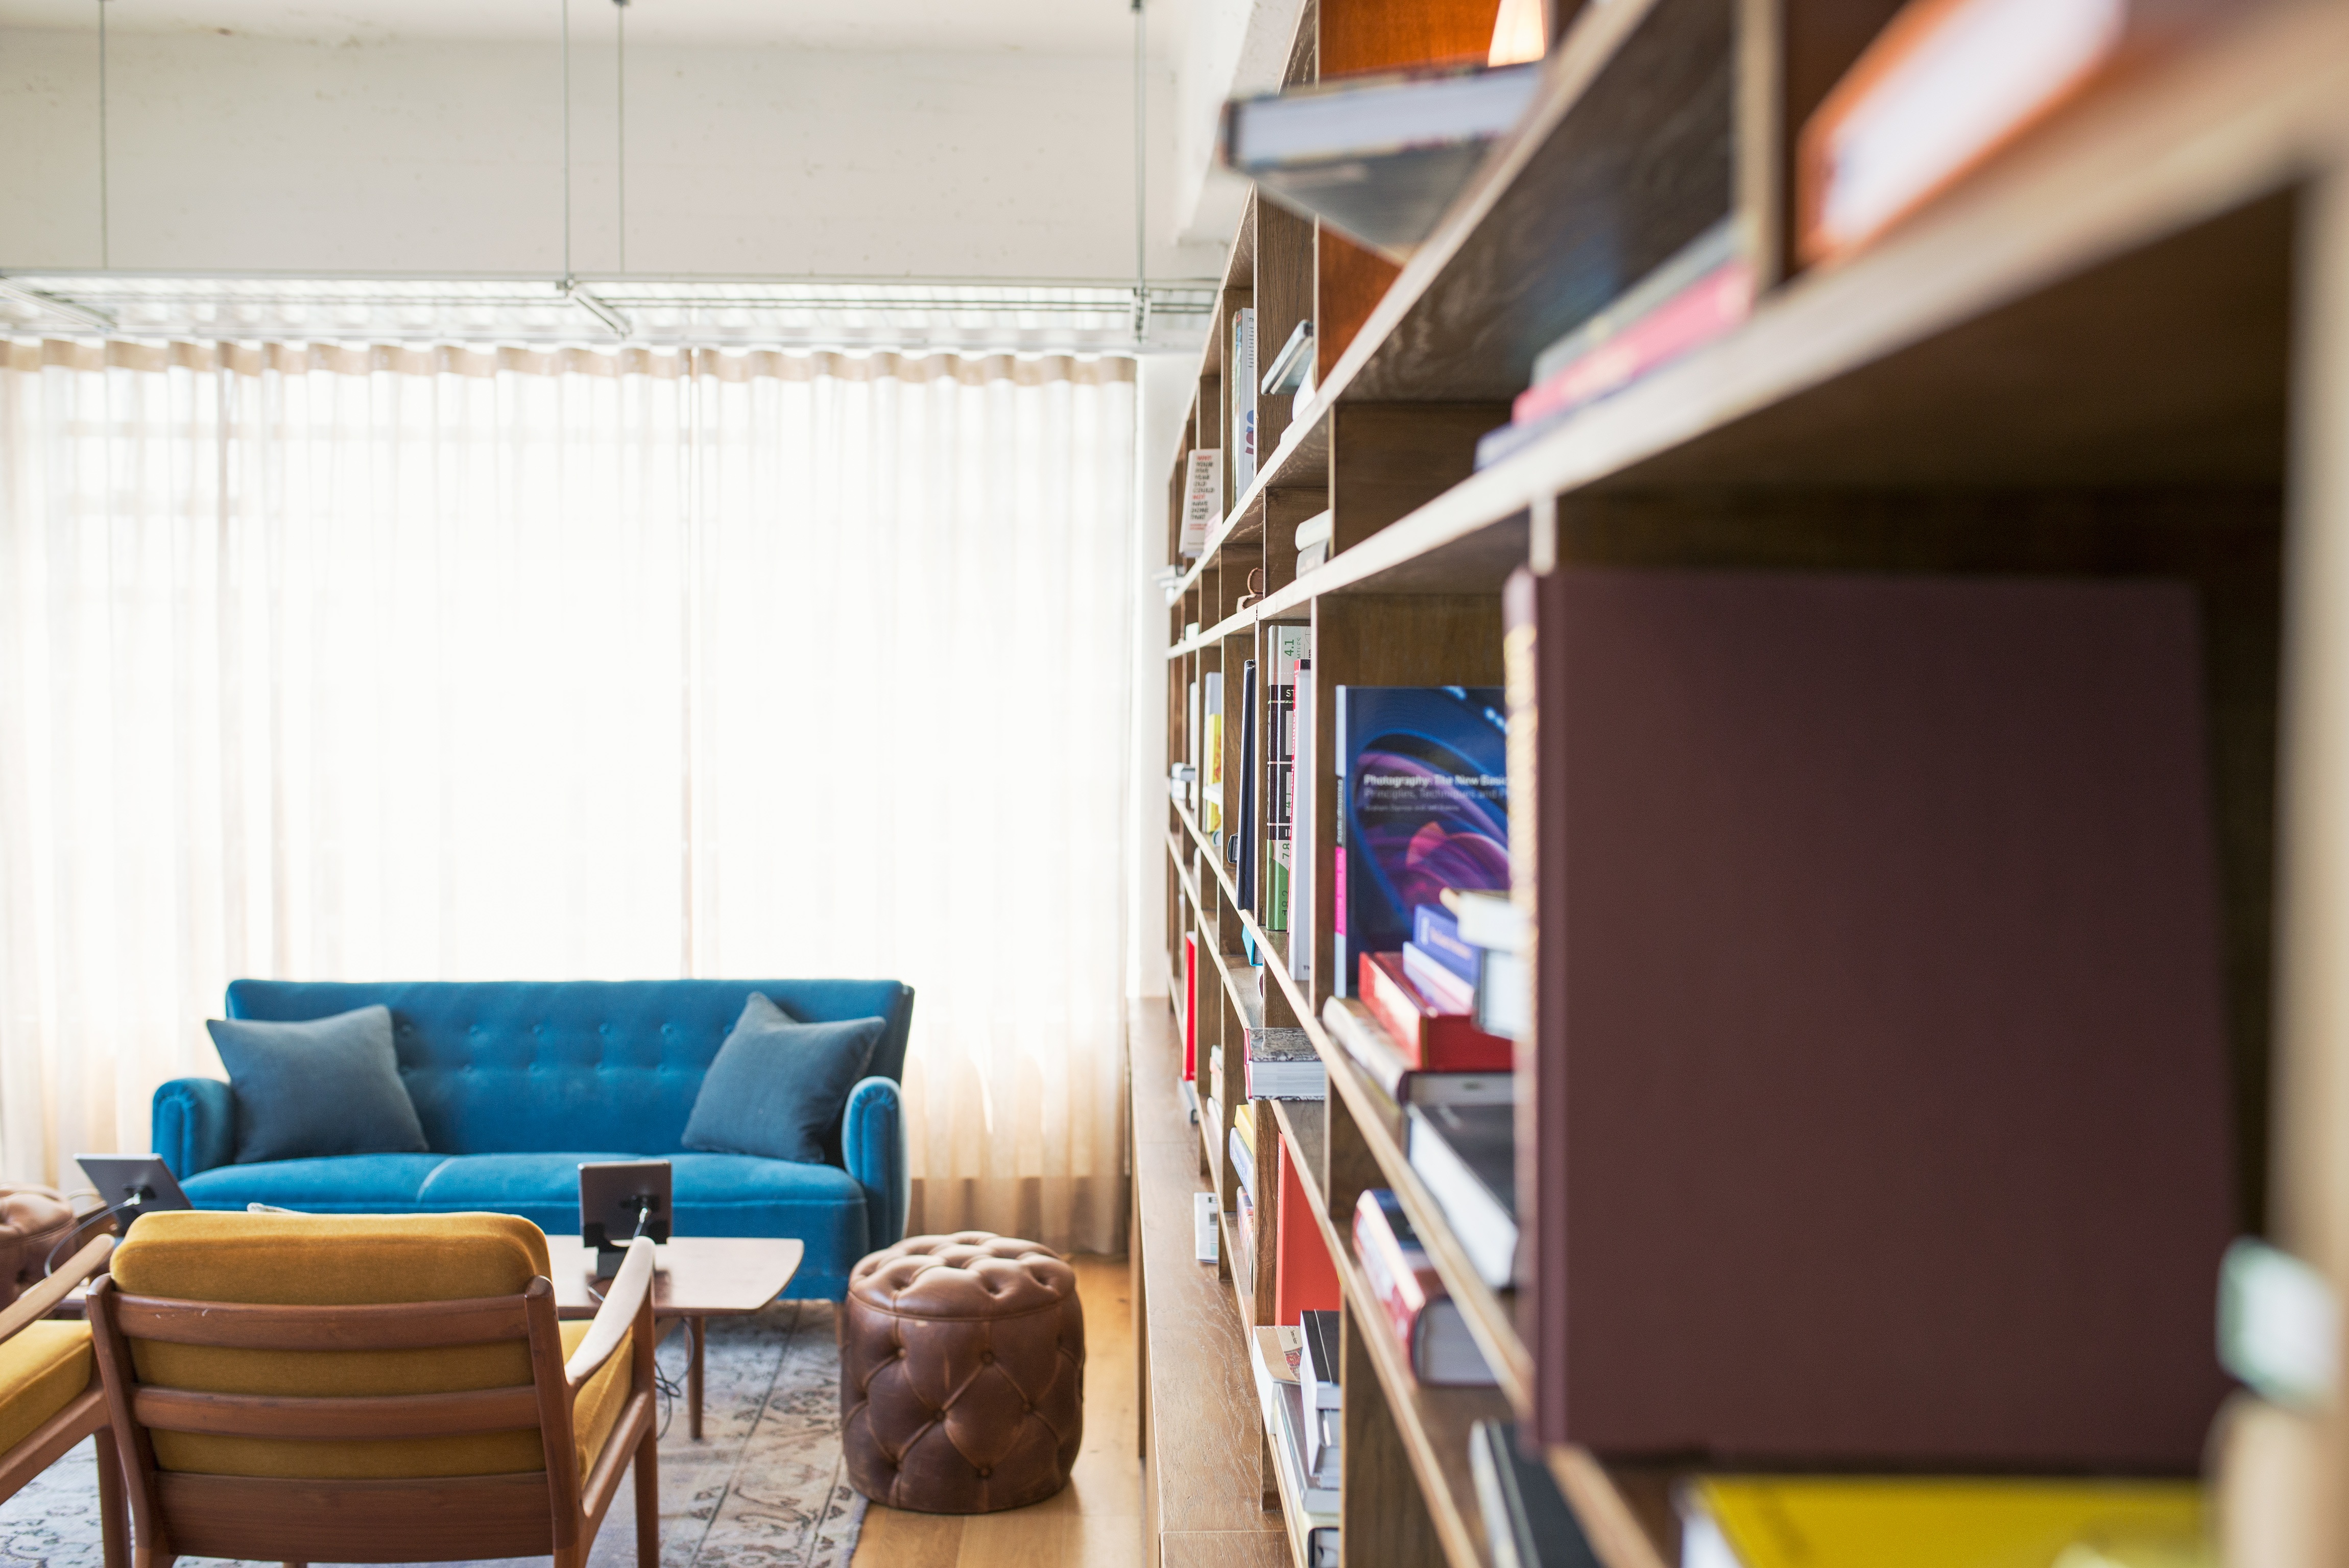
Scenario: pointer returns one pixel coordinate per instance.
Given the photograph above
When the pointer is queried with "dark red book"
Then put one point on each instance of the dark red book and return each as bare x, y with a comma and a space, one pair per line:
1304, 1279
1879, 1085
1431, 1041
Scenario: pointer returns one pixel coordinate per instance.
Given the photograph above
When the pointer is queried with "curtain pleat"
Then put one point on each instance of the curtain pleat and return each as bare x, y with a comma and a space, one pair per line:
401, 662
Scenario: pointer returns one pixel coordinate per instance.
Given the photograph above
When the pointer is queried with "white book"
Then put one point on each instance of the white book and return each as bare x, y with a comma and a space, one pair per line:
1202, 500
1240, 377
1301, 832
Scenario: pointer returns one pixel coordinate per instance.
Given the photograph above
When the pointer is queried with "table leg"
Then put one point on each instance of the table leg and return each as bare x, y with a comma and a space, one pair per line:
694, 1327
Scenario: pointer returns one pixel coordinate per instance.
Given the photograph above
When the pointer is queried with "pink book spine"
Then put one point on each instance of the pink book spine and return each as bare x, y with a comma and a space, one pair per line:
1698, 313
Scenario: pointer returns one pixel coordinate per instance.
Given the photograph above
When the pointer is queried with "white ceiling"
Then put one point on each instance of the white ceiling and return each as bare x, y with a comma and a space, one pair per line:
1044, 27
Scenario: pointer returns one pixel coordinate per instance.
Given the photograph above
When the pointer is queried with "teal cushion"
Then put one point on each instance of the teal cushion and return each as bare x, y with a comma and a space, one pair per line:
327, 1085
344, 1184
778, 1085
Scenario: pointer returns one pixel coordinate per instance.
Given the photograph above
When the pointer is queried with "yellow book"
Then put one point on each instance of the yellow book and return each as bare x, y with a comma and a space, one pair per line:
1244, 1124
1745, 1521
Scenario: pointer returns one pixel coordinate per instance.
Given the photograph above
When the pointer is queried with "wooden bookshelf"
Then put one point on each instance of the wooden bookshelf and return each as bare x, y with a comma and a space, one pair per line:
2122, 347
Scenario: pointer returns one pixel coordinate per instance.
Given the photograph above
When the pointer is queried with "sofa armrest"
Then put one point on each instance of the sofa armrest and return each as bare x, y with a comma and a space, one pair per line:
194, 1125
873, 1146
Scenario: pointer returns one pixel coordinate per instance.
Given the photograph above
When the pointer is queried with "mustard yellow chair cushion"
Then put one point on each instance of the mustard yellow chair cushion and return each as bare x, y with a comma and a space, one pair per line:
44, 1367
349, 1260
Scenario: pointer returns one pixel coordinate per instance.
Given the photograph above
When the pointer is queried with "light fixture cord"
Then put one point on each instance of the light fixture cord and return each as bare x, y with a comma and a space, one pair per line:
105, 204
566, 141
621, 7
1141, 175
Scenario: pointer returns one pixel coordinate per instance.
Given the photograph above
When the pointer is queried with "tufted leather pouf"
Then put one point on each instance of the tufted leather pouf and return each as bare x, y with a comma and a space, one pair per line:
962, 1367
33, 1221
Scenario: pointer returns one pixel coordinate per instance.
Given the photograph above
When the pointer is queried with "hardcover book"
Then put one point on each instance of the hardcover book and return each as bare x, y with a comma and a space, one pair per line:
1202, 500
1304, 1279
1419, 1313
1286, 644
1360, 1034
1430, 1038
1527, 1520
1926, 1046
1423, 806
1466, 1154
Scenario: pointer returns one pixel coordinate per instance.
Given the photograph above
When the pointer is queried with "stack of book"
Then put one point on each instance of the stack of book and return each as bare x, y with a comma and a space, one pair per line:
1527, 1520
1705, 289
1468, 1157
1322, 1399
1312, 542
1426, 1321
1278, 1358
1357, 1030
1283, 1065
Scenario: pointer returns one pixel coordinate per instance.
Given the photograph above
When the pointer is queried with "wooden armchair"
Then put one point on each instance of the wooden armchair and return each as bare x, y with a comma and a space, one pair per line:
50, 1398
371, 1388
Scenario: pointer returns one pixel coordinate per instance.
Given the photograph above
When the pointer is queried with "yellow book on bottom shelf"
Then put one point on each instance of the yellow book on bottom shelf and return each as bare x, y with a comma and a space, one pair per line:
1737, 1522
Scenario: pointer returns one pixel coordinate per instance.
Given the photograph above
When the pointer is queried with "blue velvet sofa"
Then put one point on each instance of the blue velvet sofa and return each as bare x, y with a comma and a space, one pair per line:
516, 1082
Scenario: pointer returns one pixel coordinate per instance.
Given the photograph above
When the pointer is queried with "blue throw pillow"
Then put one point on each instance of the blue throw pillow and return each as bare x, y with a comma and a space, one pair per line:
324, 1086
778, 1086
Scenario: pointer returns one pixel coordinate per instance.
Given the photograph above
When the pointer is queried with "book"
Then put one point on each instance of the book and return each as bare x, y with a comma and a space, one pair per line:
1211, 788
1312, 556
1202, 500
1240, 377
1945, 87
1243, 851
1360, 1034
1204, 1227
2037, 1111
1527, 1520
1304, 1279
1243, 1128
1280, 1348
1423, 806
1322, 1398
1700, 292
1190, 1006
1287, 370
1244, 1243
1504, 996
1444, 990
1875, 1521
1286, 644
1283, 1065
1281, 1400
1429, 1038
1435, 930
1467, 1155
1304, 866
1243, 1157
1321, 1546
1419, 1313
1496, 922
1315, 530
1379, 159
1194, 742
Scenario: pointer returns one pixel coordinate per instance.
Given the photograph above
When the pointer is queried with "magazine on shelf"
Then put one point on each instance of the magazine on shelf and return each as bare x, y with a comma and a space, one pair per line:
1423, 806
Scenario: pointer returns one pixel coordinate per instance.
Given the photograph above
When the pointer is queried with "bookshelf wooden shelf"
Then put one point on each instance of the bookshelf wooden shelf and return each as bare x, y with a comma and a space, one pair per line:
2114, 350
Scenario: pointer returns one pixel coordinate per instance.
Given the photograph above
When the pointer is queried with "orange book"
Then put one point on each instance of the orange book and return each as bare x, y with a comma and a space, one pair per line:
1947, 85
1304, 1279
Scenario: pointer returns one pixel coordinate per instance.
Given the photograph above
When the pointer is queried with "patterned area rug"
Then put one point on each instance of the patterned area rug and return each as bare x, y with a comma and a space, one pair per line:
763, 1489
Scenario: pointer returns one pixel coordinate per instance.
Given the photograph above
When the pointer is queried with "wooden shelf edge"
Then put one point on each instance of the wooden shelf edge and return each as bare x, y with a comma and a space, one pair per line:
1451, 1497
1614, 1531
1214, 863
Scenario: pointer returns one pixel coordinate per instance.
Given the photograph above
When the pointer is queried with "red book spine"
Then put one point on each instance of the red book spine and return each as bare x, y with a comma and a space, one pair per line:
1698, 313
1403, 1289
1190, 1006
1431, 1041
1304, 1279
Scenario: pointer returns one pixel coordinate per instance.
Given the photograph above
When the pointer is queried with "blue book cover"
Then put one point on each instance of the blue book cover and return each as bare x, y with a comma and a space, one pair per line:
1424, 805
1437, 934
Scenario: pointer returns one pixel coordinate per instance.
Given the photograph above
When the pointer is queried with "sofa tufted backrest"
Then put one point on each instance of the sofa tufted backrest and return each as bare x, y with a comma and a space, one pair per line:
511, 1067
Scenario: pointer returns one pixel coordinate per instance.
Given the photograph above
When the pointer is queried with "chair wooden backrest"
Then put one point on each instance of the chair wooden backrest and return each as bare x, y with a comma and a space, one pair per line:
268, 1415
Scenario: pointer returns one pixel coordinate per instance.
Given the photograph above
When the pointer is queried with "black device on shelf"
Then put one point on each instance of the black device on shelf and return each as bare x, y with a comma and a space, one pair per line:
620, 1199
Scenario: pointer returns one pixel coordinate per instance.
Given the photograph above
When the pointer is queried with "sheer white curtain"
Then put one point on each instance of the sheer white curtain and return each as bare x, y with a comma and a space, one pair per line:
422, 664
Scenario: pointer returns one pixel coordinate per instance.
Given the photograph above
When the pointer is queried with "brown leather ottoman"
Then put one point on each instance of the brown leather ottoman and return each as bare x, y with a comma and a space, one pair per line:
962, 1368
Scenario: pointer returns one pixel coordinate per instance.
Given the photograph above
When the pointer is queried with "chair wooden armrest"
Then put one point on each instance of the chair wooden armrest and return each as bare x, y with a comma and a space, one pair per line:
630, 1289
43, 1298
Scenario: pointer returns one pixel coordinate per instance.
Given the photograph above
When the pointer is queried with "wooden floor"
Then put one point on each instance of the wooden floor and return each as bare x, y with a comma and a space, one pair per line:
1097, 1521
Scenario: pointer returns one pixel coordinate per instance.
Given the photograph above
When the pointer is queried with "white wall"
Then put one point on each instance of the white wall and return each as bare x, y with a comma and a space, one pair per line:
1166, 388
241, 153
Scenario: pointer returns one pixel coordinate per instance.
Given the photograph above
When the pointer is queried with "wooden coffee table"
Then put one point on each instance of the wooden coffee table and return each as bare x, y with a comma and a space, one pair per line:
695, 1278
